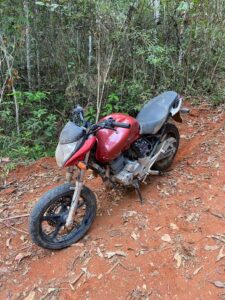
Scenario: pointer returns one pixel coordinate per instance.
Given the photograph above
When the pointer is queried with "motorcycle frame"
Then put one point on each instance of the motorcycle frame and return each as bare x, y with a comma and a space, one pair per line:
83, 154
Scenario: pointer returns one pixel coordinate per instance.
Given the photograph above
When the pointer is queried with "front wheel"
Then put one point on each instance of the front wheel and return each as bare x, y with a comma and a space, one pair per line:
48, 217
171, 134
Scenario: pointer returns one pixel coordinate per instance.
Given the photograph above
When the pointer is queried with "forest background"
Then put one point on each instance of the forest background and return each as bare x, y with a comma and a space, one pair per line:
108, 56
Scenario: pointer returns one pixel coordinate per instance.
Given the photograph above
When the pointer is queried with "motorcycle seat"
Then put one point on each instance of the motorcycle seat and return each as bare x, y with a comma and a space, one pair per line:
154, 113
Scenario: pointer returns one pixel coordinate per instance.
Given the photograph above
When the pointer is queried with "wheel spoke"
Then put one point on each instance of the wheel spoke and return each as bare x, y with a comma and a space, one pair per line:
80, 204
76, 224
64, 208
55, 217
52, 218
56, 231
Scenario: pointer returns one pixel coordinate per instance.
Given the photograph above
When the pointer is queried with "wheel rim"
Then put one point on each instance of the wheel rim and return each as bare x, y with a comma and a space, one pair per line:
170, 151
53, 219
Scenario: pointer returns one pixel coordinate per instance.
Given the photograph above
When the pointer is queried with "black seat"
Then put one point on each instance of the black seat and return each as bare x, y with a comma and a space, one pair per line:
155, 112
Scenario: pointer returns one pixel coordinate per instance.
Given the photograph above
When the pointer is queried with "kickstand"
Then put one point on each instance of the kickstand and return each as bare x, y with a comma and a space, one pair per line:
137, 189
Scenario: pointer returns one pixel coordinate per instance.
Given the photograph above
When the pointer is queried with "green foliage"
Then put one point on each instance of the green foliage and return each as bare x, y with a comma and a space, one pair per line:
182, 50
112, 105
38, 127
218, 98
5, 169
90, 114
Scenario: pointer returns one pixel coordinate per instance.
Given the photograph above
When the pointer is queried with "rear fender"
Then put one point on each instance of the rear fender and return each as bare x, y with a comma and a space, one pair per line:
80, 154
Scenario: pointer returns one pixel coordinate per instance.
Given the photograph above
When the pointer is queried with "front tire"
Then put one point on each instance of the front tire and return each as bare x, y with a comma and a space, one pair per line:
170, 131
48, 217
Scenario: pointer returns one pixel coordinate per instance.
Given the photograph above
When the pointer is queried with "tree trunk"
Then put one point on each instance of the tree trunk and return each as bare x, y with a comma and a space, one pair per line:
89, 49
37, 49
9, 64
156, 7
98, 54
28, 44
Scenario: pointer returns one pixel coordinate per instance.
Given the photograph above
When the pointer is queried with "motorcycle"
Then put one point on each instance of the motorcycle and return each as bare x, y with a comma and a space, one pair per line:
121, 149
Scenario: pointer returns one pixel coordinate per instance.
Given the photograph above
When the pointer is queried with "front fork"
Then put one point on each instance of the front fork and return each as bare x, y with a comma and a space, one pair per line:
76, 195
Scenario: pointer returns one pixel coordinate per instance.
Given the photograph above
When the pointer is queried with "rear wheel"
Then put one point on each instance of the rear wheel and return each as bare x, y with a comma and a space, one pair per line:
171, 134
48, 217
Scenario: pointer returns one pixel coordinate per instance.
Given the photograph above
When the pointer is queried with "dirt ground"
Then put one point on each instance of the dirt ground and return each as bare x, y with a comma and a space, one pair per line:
172, 247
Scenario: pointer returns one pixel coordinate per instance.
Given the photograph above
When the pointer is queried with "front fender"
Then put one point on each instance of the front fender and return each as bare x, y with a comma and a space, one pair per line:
80, 154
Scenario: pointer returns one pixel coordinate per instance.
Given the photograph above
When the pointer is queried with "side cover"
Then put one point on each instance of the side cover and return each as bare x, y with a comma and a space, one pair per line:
110, 144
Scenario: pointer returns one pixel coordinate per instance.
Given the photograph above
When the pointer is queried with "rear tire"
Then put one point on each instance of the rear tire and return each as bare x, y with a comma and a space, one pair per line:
52, 210
170, 131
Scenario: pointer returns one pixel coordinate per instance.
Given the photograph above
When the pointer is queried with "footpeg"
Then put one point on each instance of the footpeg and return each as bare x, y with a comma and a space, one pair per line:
154, 172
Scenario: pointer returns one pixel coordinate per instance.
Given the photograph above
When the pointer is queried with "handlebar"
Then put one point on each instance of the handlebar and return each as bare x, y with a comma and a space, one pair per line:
108, 124
120, 124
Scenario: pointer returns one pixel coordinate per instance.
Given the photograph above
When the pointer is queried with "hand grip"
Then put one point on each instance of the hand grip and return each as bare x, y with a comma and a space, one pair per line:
122, 125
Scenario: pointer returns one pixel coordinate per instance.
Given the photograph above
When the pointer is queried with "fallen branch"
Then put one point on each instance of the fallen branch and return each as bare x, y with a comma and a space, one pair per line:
14, 217
122, 265
77, 278
74, 261
126, 268
16, 229
113, 267
216, 214
219, 237
21, 249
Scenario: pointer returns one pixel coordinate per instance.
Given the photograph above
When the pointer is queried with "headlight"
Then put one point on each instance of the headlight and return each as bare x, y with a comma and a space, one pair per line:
64, 152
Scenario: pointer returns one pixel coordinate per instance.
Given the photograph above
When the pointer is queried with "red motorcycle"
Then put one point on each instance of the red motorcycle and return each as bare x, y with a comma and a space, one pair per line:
121, 149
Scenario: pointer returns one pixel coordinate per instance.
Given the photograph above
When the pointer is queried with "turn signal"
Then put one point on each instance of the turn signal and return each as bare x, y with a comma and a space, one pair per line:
81, 165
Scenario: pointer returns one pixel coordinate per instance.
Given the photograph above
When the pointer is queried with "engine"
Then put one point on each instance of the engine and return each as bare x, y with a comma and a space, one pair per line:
135, 164
143, 147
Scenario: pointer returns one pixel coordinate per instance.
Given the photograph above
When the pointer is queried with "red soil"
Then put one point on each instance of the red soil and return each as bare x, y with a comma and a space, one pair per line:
166, 241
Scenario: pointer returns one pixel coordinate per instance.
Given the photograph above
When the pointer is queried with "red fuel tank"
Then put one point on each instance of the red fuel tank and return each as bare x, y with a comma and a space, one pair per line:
111, 143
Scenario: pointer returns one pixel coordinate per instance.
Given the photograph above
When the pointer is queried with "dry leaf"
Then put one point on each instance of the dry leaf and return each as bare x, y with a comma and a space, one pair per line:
157, 228
22, 255
166, 238
78, 245
99, 252
51, 290
110, 254
174, 226
217, 165
121, 253
221, 254
197, 270
211, 248
31, 296
130, 213
220, 237
135, 236
8, 243
178, 259
194, 217
219, 284
23, 238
